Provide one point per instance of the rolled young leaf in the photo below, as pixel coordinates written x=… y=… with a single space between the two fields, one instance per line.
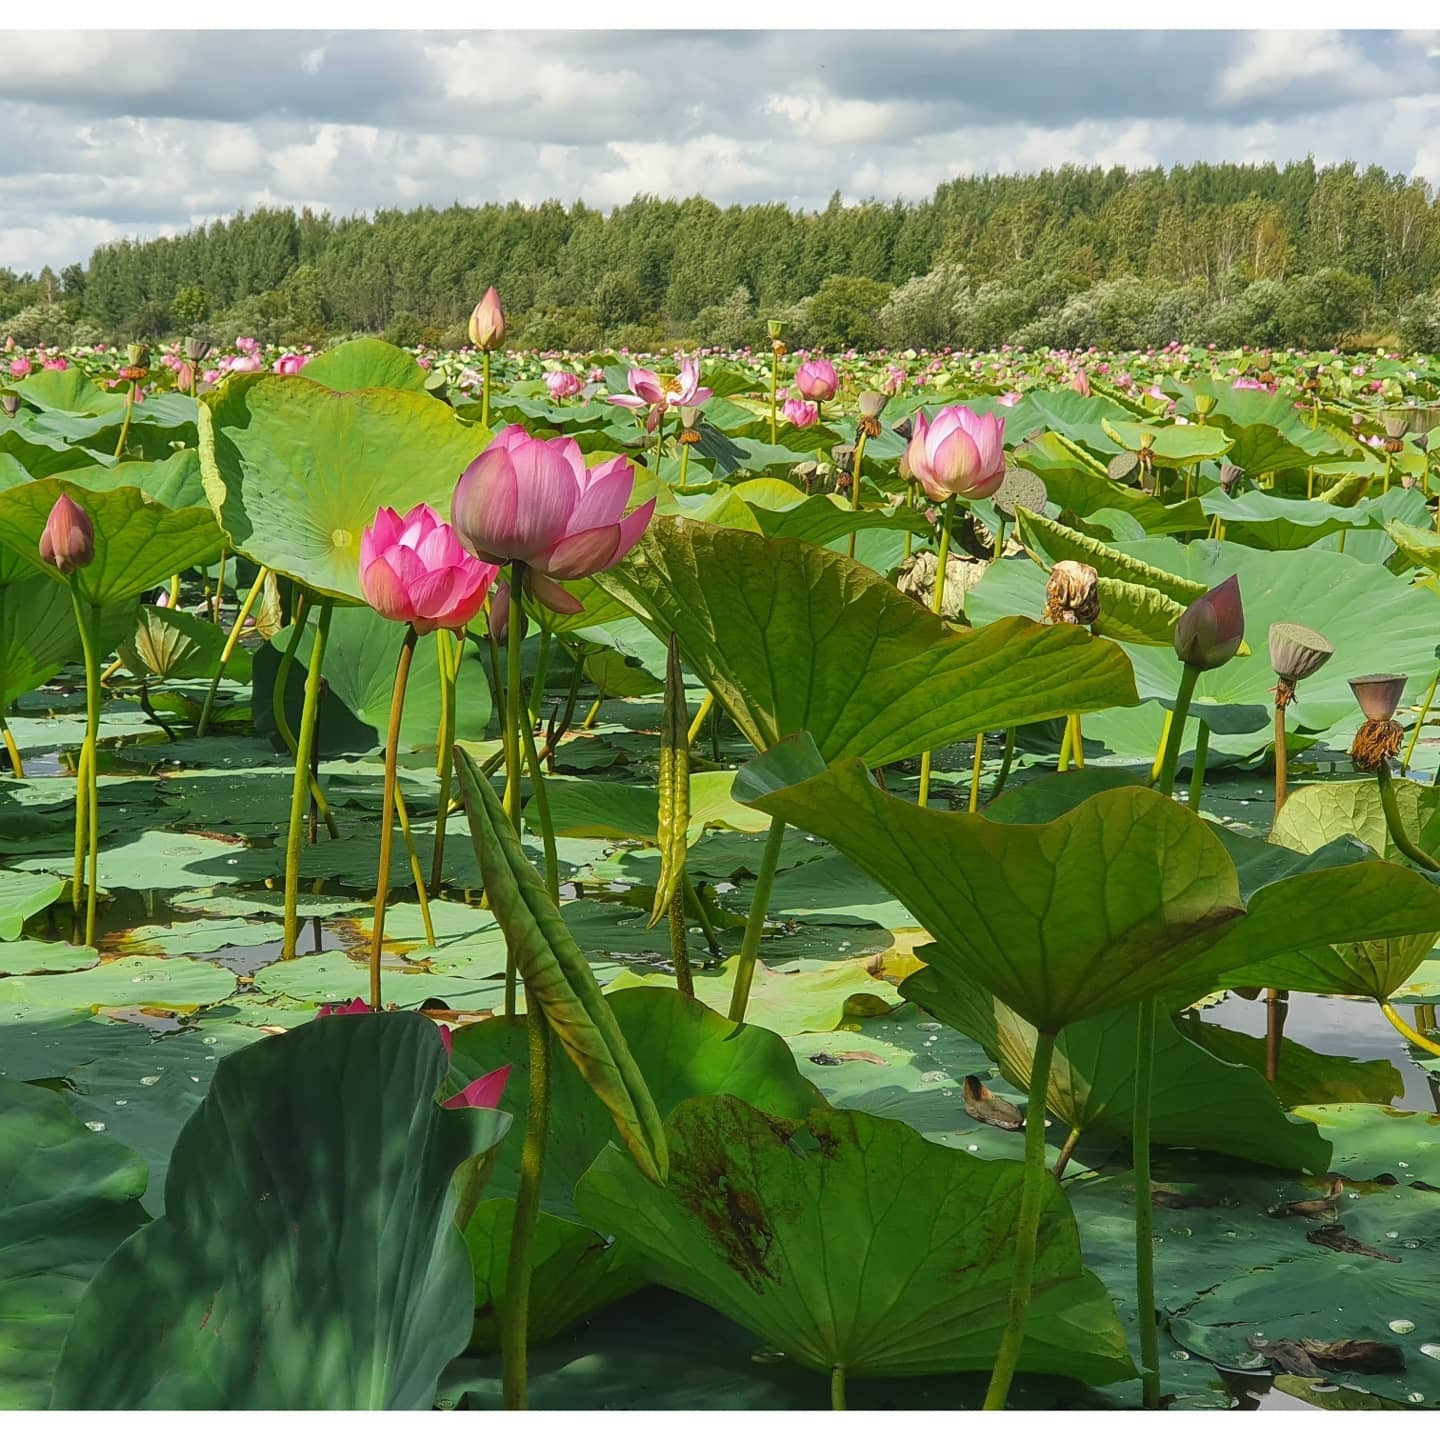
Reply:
x=557 y=976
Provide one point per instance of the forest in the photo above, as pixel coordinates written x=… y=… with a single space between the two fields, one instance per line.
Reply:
x=1227 y=254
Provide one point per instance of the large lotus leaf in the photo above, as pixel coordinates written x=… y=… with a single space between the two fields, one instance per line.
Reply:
x=1080 y=418
x=1269 y=433
x=1198 y=1101
x=845 y=1239
x=1382 y=1142
x=781 y=509
x=296 y=471
x=70 y=390
x=68 y=1199
x=1175 y=445
x=1281 y=522
x=1376 y=622
x=1316 y=815
x=558 y=978
x=39 y=636
x=1305 y=1076
x=361 y=652
x=139 y=542
x=1050 y=542
x=308 y=1257
x=157 y=424
x=175 y=481
x=1420 y=547
x=366 y=364
x=683 y=1049
x=23 y=895
x=1126 y=896
x=792 y=637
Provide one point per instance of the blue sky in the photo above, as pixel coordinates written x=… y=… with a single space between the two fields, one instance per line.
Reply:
x=134 y=132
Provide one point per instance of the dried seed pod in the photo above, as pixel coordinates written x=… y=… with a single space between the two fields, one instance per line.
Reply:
x=1230 y=476
x=1296 y=652
x=1379 y=695
x=1072 y=595
x=1376 y=743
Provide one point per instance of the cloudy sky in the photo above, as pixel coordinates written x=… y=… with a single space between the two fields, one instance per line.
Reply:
x=108 y=134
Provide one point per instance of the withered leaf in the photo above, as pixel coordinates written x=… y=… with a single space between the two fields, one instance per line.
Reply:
x=1328 y=1203
x=1333 y=1237
x=1287 y=1356
x=1365 y=1357
x=989 y=1109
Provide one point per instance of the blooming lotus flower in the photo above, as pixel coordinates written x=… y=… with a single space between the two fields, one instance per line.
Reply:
x=817 y=380
x=800 y=413
x=662 y=392
x=487 y=323
x=1010 y=397
x=533 y=501
x=20 y=367
x=415 y=569
x=562 y=384
x=247 y=344
x=68 y=540
x=1211 y=629
x=482 y=1093
x=958 y=453
x=57 y=362
x=350 y=1007
x=289 y=364
x=246 y=364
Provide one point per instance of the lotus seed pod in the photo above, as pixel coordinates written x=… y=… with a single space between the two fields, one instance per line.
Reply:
x=1379 y=695
x=1296 y=651
x=196 y=350
x=1072 y=595
x=1230 y=476
x=10 y=404
x=1396 y=426
x=871 y=403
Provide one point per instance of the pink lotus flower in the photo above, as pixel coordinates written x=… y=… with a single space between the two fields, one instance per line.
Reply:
x=487 y=322
x=1080 y=382
x=57 y=362
x=20 y=367
x=184 y=376
x=289 y=364
x=415 y=569
x=562 y=384
x=894 y=380
x=246 y=364
x=210 y=376
x=800 y=413
x=482 y=1093
x=1211 y=629
x=817 y=380
x=1010 y=397
x=958 y=453
x=350 y=1007
x=662 y=392
x=533 y=501
x=247 y=343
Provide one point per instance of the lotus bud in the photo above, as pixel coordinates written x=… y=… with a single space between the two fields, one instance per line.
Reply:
x=1211 y=629
x=184 y=376
x=10 y=404
x=196 y=350
x=1379 y=695
x=1072 y=595
x=1204 y=404
x=68 y=540
x=487 y=323
x=1295 y=653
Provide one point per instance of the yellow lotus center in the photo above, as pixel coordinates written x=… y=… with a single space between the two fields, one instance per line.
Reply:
x=670 y=385
x=341 y=539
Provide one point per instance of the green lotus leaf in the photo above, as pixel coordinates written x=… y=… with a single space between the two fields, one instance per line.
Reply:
x=1381 y=1142
x=792 y=637
x=70 y=1197
x=683 y=1049
x=38 y=634
x=175 y=645
x=1050 y=542
x=781 y=509
x=278 y=1277
x=1126 y=896
x=1170 y=444
x=295 y=471
x=175 y=481
x=1420 y=547
x=1198 y=1101
x=366 y=364
x=139 y=542
x=70 y=390
x=1305 y=1076
x=1281 y=522
x=848 y=1240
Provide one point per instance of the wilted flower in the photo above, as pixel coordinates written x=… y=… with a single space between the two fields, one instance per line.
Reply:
x=487 y=323
x=1072 y=595
x=800 y=413
x=958 y=453
x=1211 y=629
x=534 y=501
x=68 y=540
x=817 y=380
x=415 y=569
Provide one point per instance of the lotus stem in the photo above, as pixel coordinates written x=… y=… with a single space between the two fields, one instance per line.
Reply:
x=1145 y=1208
x=231 y=641
x=542 y=671
x=910 y=504
x=999 y=540
x=416 y=874
x=282 y=724
x=542 y=812
x=516 y=715
x=301 y=787
x=1067 y=742
x=1066 y=1151
x=87 y=796
x=975 y=769
x=1422 y=1042
x=82 y=831
x=174 y=591
x=701 y=715
x=218 y=601
x=1027 y=1227
x=1419 y=721
x=697 y=905
x=485 y=390
x=684 y=465
x=125 y=423
x=680 y=944
x=1406 y=846
x=1077 y=748
x=837 y=1387
x=1197 y=770
x=112 y=669
x=774 y=389
x=1282 y=761
x=1160 y=748
x=1425 y=1017
x=855 y=487
x=387 y=810
x=937 y=604
x=446 y=647
x=591 y=714
x=1275 y=1011
x=515 y=1318
x=1170 y=757
x=1006 y=761
x=7 y=737
x=755 y=925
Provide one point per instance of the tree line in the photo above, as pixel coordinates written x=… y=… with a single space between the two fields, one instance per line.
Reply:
x=1261 y=254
